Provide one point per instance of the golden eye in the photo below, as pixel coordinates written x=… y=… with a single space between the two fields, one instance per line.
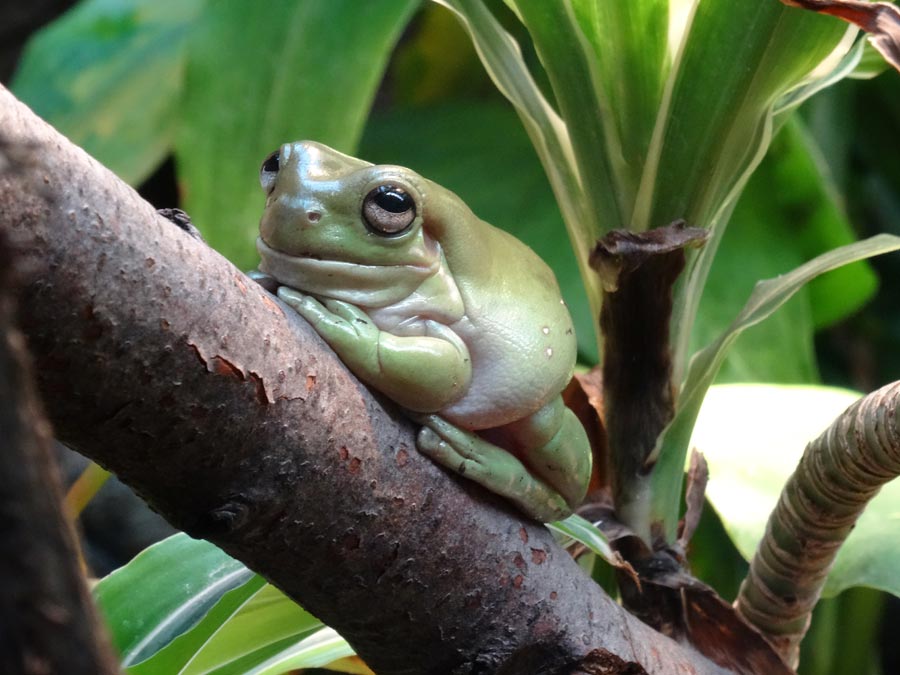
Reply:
x=389 y=210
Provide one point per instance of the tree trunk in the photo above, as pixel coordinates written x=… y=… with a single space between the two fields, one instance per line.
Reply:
x=47 y=621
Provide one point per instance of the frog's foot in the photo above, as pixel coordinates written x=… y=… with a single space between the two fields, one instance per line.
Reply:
x=490 y=466
x=344 y=326
x=182 y=220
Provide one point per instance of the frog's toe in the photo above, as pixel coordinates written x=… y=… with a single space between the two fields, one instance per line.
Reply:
x=447 y=431
x=346 y=311
x=306 y=306
x=432 y=445
x=293 y=297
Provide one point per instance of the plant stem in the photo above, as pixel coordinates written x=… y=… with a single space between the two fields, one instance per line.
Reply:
x=837 y=476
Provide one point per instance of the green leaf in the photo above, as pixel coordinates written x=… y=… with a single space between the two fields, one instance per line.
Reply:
x=628 y=45
x=736 y=60
x=479 y=151
x=108 y=75
x=253 y=629
x=290 y=71
x=753 y=436
x=870 y=65
x=183 y=607
x=768 y=296
x=581 y=530
x=165 y=591
x=757 y=247
x=320 y=649
x=736 y=64
x=812 y=212
x=567 y=59
x=178 y=655
x=788 y=213
x=503 y=60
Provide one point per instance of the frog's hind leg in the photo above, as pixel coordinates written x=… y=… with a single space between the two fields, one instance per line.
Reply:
x=490 y=466
x=555 y=448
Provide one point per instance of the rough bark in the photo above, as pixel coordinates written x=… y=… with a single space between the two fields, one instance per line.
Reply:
x=47 y=621
x=225 y=411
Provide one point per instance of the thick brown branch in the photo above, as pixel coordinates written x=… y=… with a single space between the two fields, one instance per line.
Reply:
x=838 y=475
x=223 y=409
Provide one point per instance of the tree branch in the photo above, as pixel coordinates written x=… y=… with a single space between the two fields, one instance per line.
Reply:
x=224 y=410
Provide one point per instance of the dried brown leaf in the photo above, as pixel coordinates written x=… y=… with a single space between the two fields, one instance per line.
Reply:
x=881 y=20
x=698 y=476
x=584 y=396
x=687 y=610
x=638 y=271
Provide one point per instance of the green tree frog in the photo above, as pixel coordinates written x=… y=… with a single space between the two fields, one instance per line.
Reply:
x=457 y=321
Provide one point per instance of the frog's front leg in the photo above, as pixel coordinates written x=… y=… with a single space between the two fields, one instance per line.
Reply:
x=494 y=468
x=422 y=373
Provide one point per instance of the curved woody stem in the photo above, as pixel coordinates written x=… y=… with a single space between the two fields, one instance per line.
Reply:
x=839 y=473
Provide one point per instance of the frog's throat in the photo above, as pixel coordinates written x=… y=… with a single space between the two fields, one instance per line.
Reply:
x=362 y=285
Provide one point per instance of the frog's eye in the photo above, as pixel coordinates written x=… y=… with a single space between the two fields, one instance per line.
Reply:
x=268 y=171
x=389 y=209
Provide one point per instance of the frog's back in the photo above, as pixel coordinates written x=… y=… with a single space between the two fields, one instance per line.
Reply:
x=518 y=330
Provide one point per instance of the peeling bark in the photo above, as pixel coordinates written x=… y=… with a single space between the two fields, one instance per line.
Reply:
x=226 y=412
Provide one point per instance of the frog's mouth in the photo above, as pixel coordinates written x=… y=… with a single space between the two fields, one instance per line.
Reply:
x=360 y=284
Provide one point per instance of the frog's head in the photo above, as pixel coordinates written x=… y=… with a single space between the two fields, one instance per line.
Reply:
x=326 y=206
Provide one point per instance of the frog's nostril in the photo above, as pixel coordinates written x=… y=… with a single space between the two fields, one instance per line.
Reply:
x=313 y=216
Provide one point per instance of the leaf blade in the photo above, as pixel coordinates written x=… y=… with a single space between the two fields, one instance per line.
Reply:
x=503 y=60
x=768 y=296
x=191 y=576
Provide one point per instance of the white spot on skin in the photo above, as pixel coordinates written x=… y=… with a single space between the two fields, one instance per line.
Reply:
x=546 y=330
x=549 y=352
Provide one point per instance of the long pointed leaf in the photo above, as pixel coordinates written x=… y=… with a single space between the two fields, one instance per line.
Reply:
x=715 y=121
x=177 y=656
x=628 y=44
x=503 y=60
x=189 y=577
x=566 y=55
x=263 y=628
x=318 y=650
x=767 y=297
x=586 y=532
